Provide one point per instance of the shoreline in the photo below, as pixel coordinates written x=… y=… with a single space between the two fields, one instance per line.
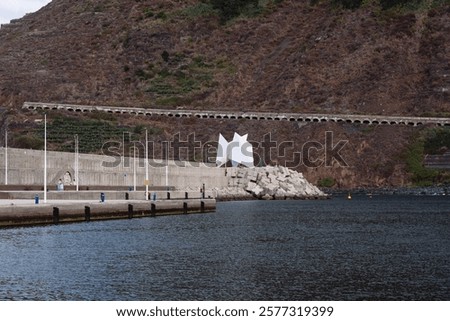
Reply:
x=244 y=198
x=431 y=190
x=71 y=207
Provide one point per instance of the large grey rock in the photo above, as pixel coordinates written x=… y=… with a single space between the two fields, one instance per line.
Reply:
x=280 y=194
x=264 y=181
x=271 y=189
x=267 y=197
x=255 y=190
x=252 y=177
x=270 y=183
x=250 y=187
x=272 y=178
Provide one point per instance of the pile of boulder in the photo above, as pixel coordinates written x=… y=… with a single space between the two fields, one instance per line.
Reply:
x=279 y=183
x=268 y=183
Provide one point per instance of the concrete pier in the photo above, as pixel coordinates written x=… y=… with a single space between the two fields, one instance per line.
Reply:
x=21 y=212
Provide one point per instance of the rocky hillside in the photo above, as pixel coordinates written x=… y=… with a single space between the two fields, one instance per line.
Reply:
x=293 y=56
x=325 y=56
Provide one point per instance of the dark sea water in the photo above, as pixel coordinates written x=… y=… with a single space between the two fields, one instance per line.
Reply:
x=384 y=248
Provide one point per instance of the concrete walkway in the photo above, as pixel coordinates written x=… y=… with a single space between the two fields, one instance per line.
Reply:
x=20 y=212
x=30 y=202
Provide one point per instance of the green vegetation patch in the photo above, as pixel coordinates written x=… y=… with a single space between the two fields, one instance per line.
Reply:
x=437 y=141
x=179 y=78
x=401 y=5
x=326 y=182
x=226 y=10
x=230 y=9
x=348 y=4
x=28 y=141
x=429 y=142
x=202 y=9
x=92 y=134
x=414 y=155
x=149 y=13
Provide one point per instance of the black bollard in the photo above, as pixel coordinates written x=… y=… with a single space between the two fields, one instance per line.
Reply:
x=130 y=211
x=87 y=213
x=185 y=208
x=55 y=215
x=202 y=207
x=186 y=195
x=153 y=210
x=168 y=195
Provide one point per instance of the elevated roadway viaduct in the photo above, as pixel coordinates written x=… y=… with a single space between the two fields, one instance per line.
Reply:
x=215 y=114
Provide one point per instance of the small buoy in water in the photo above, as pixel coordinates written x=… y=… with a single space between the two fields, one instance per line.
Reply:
x=349 y=196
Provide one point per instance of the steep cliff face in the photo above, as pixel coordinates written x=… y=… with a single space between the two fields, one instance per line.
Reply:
x=295 y=56
x=299 y=56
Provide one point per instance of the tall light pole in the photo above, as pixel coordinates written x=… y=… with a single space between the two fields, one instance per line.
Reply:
x=146 y=164
x=123 y=159
x=45 y=158
x=123 y=149
x=76 y=163
x=6 y=156
x=134 y=168
x=167 y=167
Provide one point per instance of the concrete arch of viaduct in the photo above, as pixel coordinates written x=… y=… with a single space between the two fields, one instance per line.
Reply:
x=312 y=118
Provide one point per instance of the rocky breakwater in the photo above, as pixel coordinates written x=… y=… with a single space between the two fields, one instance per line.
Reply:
x=268 y=183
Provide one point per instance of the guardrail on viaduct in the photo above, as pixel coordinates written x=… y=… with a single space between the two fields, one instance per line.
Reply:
x=206 y=114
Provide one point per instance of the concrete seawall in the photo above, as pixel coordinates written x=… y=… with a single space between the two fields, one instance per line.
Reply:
x=176 y=180
x=26 y=167
x=25 y=213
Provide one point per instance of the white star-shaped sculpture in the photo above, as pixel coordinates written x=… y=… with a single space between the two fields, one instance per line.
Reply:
x=239 y=151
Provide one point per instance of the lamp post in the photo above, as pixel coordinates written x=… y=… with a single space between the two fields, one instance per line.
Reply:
x=6 y=157
x=167 y=176
x=123 y=149
x=146 y=164
x=76 y=163
x=134 y=168
x=123 y=160
x=167 y=165
x=45 y=158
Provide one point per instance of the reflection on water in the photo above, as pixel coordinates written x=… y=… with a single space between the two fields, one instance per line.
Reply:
x=384 y=248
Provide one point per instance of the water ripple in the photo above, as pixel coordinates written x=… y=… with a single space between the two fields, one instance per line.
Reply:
x=385 y=248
